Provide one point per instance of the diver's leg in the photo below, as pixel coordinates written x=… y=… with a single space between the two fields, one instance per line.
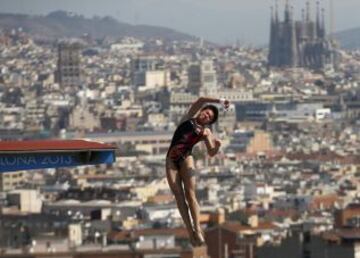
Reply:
x=187 y=173
x=175 y=184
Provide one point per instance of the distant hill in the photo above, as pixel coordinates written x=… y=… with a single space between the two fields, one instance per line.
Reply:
x=60 y=24
x=349 y=39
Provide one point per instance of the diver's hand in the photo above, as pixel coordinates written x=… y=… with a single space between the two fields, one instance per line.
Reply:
x=217 y=143
x=225 y=103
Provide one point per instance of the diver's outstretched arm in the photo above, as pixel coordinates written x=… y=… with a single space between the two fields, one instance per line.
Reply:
x=198 y=104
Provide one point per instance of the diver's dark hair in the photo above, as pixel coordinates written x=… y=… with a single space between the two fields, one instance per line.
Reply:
x=214 y=110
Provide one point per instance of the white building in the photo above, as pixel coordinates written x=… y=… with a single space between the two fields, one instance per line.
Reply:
x=75 y=234
x=128 y=45
x=155 y=79
x=253 y=191
x=323 y=113
x=28 y=201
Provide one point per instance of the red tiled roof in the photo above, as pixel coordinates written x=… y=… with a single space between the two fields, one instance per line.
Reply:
x=325 y=156
x=324 y=200
x=237 y=227
x=272 y=155
x=52 y=145
x=178 y=232
x=161 y=198
x=347 y=233
x=288 y=213
x=129 y=234
x=353 y=206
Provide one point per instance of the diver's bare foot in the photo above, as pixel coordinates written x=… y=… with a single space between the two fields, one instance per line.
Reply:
x=193 y=239
x=199 y=237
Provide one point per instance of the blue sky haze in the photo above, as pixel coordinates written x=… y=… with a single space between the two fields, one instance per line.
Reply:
x=222 y=21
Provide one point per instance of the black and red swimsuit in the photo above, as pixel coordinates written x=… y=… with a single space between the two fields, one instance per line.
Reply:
x=185 y=137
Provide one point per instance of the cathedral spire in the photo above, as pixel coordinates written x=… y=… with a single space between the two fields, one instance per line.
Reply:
x=307 y=11
x=318 y=22
x=294 y=52
x=323 y=21
x=303 y=15
x=276 y=11
x=287 y=11
x=318 y=12
x=292 y=13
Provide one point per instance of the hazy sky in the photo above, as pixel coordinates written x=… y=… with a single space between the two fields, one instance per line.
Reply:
x=222 y=21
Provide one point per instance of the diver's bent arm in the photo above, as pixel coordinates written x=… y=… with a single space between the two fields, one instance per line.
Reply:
x=212 y=144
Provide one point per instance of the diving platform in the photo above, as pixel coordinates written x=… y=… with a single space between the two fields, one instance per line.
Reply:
x=42 y=154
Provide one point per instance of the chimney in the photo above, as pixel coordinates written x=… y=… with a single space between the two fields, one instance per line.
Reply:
x=219 y=216
x=155 y=246
x=253 y=221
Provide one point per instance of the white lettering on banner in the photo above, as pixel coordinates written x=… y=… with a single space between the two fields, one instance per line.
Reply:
x=33 y=161
x=56 y=160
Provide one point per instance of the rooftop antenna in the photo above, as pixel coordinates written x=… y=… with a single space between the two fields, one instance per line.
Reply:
x=303 y=15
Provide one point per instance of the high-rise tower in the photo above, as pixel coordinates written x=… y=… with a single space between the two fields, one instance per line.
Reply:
x=68 y=66
x=202 y=77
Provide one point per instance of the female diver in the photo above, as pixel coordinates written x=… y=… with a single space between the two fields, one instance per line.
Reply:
x=180 y=169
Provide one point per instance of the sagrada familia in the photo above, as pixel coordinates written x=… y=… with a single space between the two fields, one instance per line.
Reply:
x=300 y=43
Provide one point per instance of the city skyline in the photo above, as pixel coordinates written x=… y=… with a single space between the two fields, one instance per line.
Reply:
x=246 y=22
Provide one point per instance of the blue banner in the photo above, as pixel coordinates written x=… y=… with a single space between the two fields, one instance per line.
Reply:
x=27 y=161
